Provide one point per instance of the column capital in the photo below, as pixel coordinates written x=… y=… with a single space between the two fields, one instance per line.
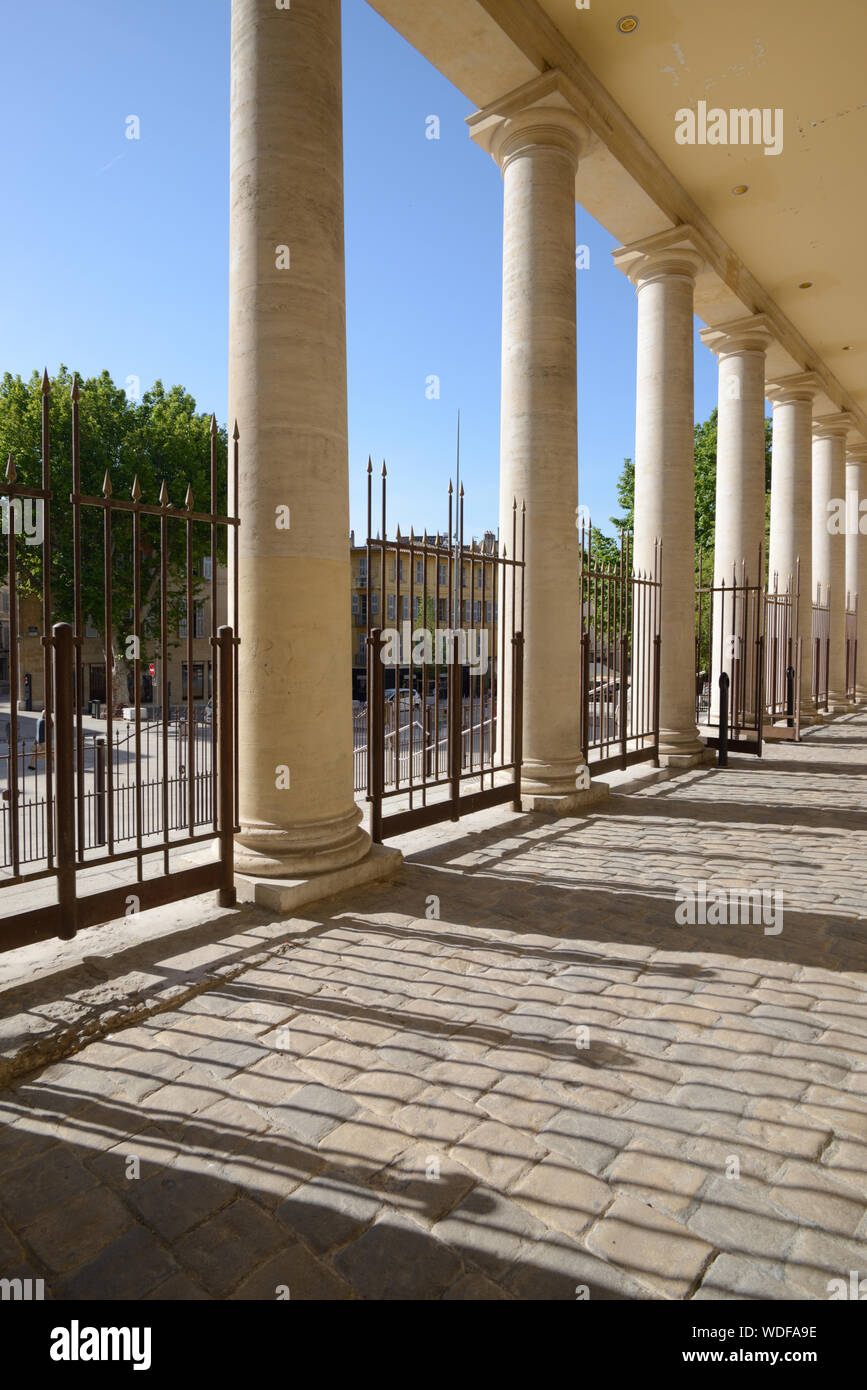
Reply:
x=750 y=334
x=679 y=251
x=836 y=426
x=799 y=386
x=857 y=452
x=538 y=114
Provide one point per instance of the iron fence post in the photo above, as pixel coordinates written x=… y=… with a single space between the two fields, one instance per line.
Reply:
x=455 y=728
x=517 y=713
x=376 y=732
x=585 y=695
x=63 y=643
x=99 y=788
x=226 y=895
x=622 y=694
x=657 y=667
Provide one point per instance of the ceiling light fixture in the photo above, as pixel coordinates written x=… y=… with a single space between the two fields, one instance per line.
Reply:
x=628 y=24
x=805 y=285
x=848 y=348
x=740 y=188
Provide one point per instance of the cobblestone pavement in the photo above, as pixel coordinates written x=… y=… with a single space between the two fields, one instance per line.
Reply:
x=511 y=1074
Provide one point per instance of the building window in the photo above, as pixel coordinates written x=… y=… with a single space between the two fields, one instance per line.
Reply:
x=97 y=682
x=362 y=607
x=479 y=577
x=477 y=611
x=198 y=680
x=442 y=610
x=355 y=605
x=391 y=608
x=206 y=567
x=489 y=610
x=404 y=606
x=419 y=571
x=417 y=606
x=198 y=622
x=374 y=604
x=468 y=607
x=362 y=569
x=442 y=574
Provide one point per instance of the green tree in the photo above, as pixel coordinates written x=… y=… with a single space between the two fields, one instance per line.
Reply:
x=160 y=439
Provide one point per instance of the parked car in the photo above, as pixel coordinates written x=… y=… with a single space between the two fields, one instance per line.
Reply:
x=407 y=698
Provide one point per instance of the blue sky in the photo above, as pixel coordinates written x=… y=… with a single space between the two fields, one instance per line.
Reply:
x=114 y=252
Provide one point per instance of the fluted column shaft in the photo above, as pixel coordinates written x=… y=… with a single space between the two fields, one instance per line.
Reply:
x=829 y=550
x=287 y=387
x=856 y=557
x=790 y=553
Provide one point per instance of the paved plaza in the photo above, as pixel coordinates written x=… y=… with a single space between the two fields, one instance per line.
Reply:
x=508 y=1074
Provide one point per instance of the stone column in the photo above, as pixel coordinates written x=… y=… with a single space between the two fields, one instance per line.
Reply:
x=739 y=534
x=829 y=545
x=791 y=528
x=856 y=555
x=663 y=269
x=536 y=144
x=287 y=388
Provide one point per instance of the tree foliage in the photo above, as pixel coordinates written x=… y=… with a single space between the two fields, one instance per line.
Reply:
x=161 y=438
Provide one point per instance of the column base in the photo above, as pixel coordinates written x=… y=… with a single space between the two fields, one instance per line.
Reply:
x=289 y=894
x=565 y=803
x=297 y=851
x=681 y=759
x=839 y=704
x=683 y=750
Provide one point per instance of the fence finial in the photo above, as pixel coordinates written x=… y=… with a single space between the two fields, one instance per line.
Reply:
x=74 y=392
x=213 y=425
x=46 y=384
x=384 y=469
x=188 y=500
x=164 y=494
x=106 y=485
x=11 y=471
x=236 y=433
x=369 y=464
x=136 y=490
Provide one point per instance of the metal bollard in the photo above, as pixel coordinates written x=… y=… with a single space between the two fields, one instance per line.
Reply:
x=790 y=696
x=723 y=760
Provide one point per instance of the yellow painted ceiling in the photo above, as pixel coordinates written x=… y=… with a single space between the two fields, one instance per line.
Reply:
x=804 y=217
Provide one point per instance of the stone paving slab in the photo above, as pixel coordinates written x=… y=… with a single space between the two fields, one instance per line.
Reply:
x=549 y=1090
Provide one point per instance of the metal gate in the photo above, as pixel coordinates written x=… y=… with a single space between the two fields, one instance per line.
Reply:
x=730 y=664
x=783 y=659
x=821 y=648
x=445 y=671
x=620 y=655
x=90 y=804
x=851 y=647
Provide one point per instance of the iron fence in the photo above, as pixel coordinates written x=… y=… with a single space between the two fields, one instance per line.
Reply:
x=851 y=647
x=783 y=658
x=620 y=655
x=730 y=643
x=821 y=632
x=170 y=788
x=445 y=669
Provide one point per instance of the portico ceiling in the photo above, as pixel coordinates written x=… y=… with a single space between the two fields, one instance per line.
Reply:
x=803 y=217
